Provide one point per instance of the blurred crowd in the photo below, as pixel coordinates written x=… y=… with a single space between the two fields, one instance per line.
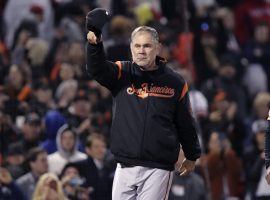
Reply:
x=55 y=120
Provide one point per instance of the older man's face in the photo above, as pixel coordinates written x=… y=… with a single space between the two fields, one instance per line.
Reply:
x=144 y=50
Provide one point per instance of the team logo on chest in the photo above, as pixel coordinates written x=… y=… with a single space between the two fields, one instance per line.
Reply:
x=145 y=90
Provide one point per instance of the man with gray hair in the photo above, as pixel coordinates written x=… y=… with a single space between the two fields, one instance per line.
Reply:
x=151 y=113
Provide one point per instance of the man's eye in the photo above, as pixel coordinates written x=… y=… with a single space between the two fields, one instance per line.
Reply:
x=148 y=46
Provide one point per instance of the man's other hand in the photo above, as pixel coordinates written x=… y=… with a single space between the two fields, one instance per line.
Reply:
x=186 y=167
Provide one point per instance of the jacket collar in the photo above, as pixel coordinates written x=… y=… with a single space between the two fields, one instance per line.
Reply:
x=160 y=62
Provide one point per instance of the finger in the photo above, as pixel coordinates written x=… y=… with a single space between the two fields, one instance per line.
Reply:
x=181 y=169
x=185 y=172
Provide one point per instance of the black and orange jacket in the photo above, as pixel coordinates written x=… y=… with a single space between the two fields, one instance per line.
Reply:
x=151 y=111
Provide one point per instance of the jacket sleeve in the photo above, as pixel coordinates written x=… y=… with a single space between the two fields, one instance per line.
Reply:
x=105 y=72
x=185 y=123
x=16 y=193
x=267 y=145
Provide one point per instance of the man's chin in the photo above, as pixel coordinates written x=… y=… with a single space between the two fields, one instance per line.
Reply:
x=142 y=64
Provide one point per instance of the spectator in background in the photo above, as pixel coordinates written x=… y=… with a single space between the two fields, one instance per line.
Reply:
x=205 y=46
x=254 y=163
x=247 y=15
x=227 y=40
x=223 y=118
x=31 y=132
x=72 y=22
x=8 y=134
x=37 y=160
x=224 y=167
x=42 y=99
x=255 y=80
x=257 y=51
x=15 y=12
x=15 y=158
x=227 y=82
x=16 y=84
x=8 y=188
x=67 y=149
x=66 y=71
x=37 y=50
x=74 y=184
x=76 y=57
x=49 y=187
x=79 y=113
x=259 y=112
x=96 y=171
x=260 y=105
x=53 y=121
x=18 y=54
x=65 y=93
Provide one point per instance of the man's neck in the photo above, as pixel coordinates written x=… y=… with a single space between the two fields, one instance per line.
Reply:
x=36 y=175
x=152 y=67
x=98 y=163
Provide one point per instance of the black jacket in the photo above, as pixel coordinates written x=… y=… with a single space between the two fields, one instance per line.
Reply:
x=151 y=111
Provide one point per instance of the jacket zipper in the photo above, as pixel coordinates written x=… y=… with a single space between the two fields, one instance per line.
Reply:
x=144 y=127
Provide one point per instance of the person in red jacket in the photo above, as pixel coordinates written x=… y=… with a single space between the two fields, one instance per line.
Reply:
x=248 y=14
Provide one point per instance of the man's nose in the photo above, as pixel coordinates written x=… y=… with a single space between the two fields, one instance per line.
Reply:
x=141 y=50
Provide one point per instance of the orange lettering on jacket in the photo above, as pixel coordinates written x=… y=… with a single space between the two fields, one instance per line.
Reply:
x=146 y=91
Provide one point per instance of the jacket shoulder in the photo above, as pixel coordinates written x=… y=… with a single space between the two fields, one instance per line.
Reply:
x=174 y=75
x=124 y=64
x=25 y=179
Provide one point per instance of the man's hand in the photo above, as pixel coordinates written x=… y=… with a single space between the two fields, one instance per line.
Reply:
x=95 y=20
x=186 y=167
x=92 y=38
x=267 y=177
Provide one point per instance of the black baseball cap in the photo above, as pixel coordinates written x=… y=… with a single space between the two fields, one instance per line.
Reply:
x=96 y=18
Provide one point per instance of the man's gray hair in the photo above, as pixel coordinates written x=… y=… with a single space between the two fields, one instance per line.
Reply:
x=147 y=29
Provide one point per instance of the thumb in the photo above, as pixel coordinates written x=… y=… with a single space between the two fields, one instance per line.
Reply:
x=182 y=169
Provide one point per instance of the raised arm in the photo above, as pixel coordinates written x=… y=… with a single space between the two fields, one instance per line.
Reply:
x=105 y=72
